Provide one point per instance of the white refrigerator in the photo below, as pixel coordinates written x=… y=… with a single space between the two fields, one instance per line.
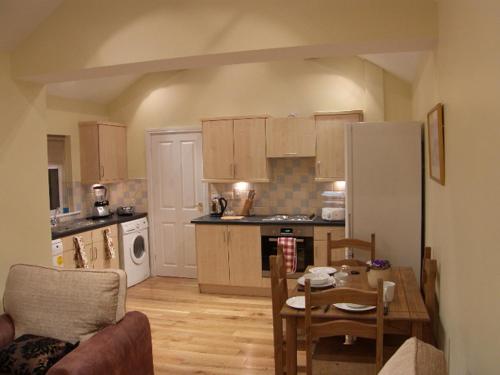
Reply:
x=384 y=189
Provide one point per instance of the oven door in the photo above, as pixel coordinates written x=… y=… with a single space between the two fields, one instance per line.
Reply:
x=305 y=251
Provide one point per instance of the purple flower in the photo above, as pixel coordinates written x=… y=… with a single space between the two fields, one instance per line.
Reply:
x=380 y=264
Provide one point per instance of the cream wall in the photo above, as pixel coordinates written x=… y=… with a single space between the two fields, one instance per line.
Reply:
x=24 y=227
x=175 y=99
x=462 y=216
x=63 y=116
x=398 y=98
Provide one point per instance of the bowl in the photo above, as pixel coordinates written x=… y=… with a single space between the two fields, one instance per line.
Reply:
x=317 y=278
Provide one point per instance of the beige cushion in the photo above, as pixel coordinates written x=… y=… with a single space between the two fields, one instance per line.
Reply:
x=415 y=357
x=68 y=305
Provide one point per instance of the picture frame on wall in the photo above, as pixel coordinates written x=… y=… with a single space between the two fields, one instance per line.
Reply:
x=435 y=131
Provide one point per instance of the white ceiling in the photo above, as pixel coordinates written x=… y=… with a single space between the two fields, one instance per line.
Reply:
x=18 y=18
x=103 y=90
x=402 y=64
x=98 y=90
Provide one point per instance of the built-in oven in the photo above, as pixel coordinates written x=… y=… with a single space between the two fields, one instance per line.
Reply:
x=305 y=243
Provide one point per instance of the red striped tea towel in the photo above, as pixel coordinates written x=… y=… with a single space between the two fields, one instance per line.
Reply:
x=290 y=252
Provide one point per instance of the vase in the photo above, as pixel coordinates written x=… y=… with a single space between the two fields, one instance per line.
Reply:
x=374 y=275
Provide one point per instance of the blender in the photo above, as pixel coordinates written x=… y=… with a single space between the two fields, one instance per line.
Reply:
x=101 y=203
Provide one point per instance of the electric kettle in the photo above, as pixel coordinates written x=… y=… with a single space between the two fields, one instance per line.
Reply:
x=218 y=206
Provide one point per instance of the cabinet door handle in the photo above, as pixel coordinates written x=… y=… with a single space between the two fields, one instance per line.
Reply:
x=234 y=169
x=290 y=153
x=228 y=235
x=319 y=167
x=225 y=235
x=102 y=171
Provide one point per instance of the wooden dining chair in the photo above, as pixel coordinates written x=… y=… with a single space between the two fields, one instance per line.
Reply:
x=428 y=284
x=334 y=350
x=331 y=245
x=279 y=294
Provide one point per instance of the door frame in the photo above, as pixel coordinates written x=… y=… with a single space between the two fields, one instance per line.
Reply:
x=149 y=134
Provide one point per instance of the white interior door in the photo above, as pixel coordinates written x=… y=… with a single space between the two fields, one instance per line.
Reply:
x=177 y=198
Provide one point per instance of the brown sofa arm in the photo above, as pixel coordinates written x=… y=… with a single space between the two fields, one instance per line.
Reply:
x=6 y=330
x=123 y=348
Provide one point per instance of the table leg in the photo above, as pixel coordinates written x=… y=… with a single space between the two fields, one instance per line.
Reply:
x=291 y=345
x=417 y=330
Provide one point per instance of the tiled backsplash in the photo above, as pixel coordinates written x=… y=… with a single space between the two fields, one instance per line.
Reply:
x=292 y=190
x=131 y=192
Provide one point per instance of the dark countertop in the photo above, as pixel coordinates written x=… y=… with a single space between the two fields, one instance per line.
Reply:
x=257 y=220
x=76 y=226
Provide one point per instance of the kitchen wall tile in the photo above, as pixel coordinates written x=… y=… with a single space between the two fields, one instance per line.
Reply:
x=292 y=190
x=131 y=192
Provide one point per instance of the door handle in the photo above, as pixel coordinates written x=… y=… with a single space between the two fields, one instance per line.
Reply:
x=319 y=167
x=102 y=171
x=234 y=169
x=228 y=235
x=290 y=153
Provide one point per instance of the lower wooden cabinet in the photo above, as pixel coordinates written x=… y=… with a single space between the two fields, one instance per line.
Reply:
x=94 y=249
x=320 y=240
x=229 y=255
x=212 y=254
x=245 y=262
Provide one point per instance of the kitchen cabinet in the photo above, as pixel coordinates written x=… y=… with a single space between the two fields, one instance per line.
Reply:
x=330 y=143
x=234 y=149
x=290 y=137
x=245 y=262
x=94 y=248
x=218 y=145
x=320 y=240
x=229 y=255
x=212 y=254
x=103 y=152
x=250 y=160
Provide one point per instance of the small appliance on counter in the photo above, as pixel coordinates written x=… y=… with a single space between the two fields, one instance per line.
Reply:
x=101 y=203
x=218 y=206
x=125 y=210
x=333 y=206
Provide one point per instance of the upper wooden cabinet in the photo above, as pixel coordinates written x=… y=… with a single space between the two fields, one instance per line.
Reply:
x=290 y=137
x=330 y=143
x=218 y=145
x=103 y=152
x=234 y=149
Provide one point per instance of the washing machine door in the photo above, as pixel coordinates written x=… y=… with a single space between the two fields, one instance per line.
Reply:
x=138 y=250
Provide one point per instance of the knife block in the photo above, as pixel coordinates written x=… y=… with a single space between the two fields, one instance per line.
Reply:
x=245 y=211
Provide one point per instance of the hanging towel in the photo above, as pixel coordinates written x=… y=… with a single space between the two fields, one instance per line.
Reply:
x=108 y=244
x=289 y=245
x=80 y=255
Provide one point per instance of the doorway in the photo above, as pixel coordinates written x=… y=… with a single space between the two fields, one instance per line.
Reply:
x=176 y=195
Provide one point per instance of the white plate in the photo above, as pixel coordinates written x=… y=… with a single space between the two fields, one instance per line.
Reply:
x=353 y=307
x=329 y=282
x=328 y=270
x=298 y=302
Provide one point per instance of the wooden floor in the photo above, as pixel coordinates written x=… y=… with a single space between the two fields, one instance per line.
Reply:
x=197 y=333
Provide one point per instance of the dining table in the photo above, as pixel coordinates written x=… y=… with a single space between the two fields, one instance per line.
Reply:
x=406 y=314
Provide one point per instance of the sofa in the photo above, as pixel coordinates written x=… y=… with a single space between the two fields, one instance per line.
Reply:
x=415 y=357
x=83 y=308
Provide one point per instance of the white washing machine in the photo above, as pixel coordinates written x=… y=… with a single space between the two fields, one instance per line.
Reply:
x=134 y=250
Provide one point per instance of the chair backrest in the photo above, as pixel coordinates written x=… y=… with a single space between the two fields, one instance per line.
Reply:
x=368 y=246
x=428 y=281
x=279 y=294
x=317 y=330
